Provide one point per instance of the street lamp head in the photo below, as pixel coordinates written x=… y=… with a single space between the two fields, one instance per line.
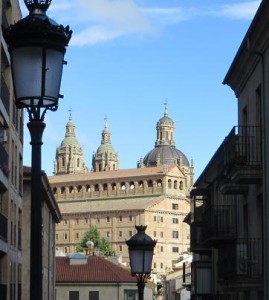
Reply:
x=37 y=45
x=141 y=247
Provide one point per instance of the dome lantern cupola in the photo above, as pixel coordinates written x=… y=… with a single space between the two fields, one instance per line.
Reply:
x=69 y=155
x=105 y=158
x=165 y=151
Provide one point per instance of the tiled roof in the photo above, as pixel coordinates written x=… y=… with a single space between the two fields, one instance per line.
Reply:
x=97 y=269
x=138 y=203
x=139 y=172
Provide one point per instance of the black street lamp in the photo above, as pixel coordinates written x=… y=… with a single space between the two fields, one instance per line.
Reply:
x=37 y=45
x=141 y=247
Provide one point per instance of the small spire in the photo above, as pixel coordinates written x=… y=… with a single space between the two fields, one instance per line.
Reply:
x=165 y=108
x=106 y=125
x=70 y=113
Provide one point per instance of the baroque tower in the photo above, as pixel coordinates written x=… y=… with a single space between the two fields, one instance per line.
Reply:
x=105 y=158
x=69 y=155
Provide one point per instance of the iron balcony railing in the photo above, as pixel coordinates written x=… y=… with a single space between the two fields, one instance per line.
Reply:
x=242 y=147
x=4 y=94
x=3 y=227
x=241 y=259
x=4 y=160
x=221 y=223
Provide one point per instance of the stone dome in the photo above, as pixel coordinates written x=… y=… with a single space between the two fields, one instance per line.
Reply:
x=165 y=155
x=165 y=151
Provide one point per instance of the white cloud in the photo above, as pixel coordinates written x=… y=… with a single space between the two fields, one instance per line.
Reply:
x=244 y=10
x=97 y=21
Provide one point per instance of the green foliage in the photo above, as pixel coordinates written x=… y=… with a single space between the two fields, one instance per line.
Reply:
x=100 y=244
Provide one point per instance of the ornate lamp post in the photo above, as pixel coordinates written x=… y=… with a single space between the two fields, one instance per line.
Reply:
x=141 y=248
x=37 y=45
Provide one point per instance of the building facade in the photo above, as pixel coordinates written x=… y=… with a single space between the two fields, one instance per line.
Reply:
x=229 y=215
x=96 y=278
x=11 y=172
x=114 y=200
x=50 y=216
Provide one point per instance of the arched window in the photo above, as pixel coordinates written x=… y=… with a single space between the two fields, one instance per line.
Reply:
x=88 y=188
x=62 y=189
x=132 y=185
x=150 y=183
x=100 y=167
x=123 y=186
x=71 y=189
x=169 y=183
x=63 y=161
x=96 y=188
x=159 y=183
x=54 y=190
x=141 y=184
x=105 y=187
x=181 y=185
x=113 y=186
x=175 y=184
x=78 y=162
x=79 y=188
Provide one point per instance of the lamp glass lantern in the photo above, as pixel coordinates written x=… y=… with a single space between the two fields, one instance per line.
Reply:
x=141 y=248
x=37 y=45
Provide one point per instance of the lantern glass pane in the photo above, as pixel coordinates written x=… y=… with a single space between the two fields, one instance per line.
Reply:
x=141 y=261
x=27 y=72
x=148 y=261
x=136 y=261
x=54 y=67
x=37 y=75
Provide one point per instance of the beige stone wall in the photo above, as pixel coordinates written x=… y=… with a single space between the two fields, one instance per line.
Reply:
x=106 y=291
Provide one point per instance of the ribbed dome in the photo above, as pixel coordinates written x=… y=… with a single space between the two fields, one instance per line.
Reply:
x=165 y=155
x=69 y=141
x=70 y=137
x=105 y=148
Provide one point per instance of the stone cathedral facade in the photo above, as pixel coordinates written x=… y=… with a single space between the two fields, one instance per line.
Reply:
x=156 y=194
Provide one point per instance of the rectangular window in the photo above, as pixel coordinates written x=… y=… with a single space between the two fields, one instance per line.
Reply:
x=120 y=233
x=108 y=234
x=130 y=218
x=175 y=220
x=175 y=234
x=120 y=248
x=161 y=219
x=155 y=218
x=175 y=249
x=65 y=222
x=130 y=233
x=154 y=233
x=86 y=220
x=73 y=295
x=77 y=235
x=130 y=294
x=161 y=234
x=57 y=236
x=93 y=295
x=65 y=236
x=175 y=206
x=77 y=221
x=108 y=219
x=120 y=218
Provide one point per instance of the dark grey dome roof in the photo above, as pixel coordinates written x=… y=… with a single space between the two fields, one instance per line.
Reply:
x=165 y=155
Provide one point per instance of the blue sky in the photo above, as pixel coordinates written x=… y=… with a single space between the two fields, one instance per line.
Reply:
x=127 y=57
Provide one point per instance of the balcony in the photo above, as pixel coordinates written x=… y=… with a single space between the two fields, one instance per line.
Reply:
x=4 y=160
x=241 y=260
x=242 y=153
x=3 y=291
x=4 y=94
x=199 y=201
x=221 y=224
x=3 y=227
